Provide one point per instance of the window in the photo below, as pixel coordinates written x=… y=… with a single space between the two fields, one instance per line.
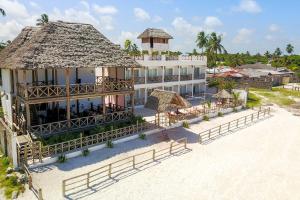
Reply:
x=168 y=71
x=183 y=71
x=168 y=88
x=151 y=42
x=152 y=72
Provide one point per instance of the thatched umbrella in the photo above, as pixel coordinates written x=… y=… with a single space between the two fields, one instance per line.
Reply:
x=223 y=95
x=163 y=101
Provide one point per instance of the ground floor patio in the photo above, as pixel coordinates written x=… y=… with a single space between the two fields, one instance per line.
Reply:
x=257 y=162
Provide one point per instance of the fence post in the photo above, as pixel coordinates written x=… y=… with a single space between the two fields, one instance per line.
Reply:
x=209 y=132
x=171 y=145
x=229 y=126
x=269 y=110
x=64 y=187
x=29 y=181
x=88 y=180
x=245 y=120
x=252 y=117
x=264 y=113
x=185 y=141
x=133 y=162
x=200 y=139
x=109 y=170
x=40 y=152
x=220 y=129
x=153 y=154
x=258 y=114
x=40 y=194
x=80 y=140
x=237 y=123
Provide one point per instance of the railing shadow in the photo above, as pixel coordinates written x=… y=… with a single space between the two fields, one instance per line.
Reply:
x=79 y=194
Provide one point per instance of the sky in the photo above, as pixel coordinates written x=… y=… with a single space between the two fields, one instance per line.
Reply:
x=246 y=25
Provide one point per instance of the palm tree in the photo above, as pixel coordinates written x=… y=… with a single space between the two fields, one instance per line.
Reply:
x=267 y=55
x=277 y=52
x=202 y=40
x=214 y=46
x=236 y=98
x=2 y=12
x=289 y=49
x=128 y=45
x=43 y=20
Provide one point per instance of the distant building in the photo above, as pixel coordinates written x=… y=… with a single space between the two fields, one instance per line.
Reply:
x=180 y=73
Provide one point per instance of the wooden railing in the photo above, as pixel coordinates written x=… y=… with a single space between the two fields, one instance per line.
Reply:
x=113 y=169
x=218 y=131
x=171 y=78
x=29 y=92
x=139 y=80
x=37 y=191
x=186 y=77
x=295 y=88
x=78 y=123
x=154 y=79
x=172 y=57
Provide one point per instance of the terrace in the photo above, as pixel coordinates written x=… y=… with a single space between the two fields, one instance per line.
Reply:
x=103 y=86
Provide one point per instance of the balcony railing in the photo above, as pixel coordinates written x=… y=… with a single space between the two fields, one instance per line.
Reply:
x=79 y=123
x=154 y=79
x=171 y=78
x=169 y=58
x=104 y=85
x=199 y=76
x=139 y=80
x=186 y=77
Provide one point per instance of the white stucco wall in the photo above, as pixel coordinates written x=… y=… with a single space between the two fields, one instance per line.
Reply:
x=6 y=95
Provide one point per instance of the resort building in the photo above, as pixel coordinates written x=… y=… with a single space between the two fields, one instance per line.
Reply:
x=63 y=77
x=179 y=73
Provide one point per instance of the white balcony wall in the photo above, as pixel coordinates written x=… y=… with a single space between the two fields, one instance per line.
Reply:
x=156 y=47
x=6 y=95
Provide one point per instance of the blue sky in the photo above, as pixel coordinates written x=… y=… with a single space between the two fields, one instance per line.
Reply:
x=254 y=25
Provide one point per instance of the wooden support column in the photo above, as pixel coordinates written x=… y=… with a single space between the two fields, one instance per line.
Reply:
x=67 y=75
x=27 y=108
x=132 y=95
x=103 y=105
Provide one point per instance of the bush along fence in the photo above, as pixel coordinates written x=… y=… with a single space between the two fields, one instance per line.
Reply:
x=114 y=169
x=35 y=151
x=218 y=131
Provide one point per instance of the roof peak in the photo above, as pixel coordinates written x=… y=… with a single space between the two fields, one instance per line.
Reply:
x=154 y=32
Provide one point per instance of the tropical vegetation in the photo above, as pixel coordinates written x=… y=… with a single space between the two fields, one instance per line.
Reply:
x=43 y=20
x=2 y=12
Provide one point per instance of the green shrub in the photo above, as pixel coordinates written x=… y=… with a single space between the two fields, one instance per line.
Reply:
x=205 y=118
x=185 y=124
x=235 y=110
x=85 y=152
x=62 y=158
x=109 y=144
x=142 y=136
x=220 y=114
x=5 y=162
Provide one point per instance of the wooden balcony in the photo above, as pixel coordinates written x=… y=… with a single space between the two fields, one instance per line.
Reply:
x=102 y=86
x=186 y=77
x=171 y=78
x=45 y=130
x=154 y=79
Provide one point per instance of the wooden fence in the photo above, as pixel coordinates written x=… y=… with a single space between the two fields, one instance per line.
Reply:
x=36 y=151
x=112 y=170
x=295 y=88
x=31 y=185
x=232 y=125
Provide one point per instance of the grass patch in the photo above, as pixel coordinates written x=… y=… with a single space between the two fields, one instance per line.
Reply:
x=62 y=159
x=109 y=144
x=220 y=114
x=253 y=100
x=85 y=152
x=142 y=136
x=9 y=185
x=287 y=92
x=205 y=118
x=185 y=124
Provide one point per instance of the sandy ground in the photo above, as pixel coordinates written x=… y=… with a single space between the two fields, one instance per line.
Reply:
x=258 y=162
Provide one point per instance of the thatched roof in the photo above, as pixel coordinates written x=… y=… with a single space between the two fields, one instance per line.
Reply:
x=62 y=44
x=161 y=101
x=155 y=33
x=223 y=94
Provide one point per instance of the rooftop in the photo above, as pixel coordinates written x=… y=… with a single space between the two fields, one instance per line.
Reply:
x=62 y=44
x=155 y=33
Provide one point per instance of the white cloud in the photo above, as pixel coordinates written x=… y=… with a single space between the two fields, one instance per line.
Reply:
x=14 y=8
x=243 y=36
x=127 y=35
x=157 y=19
x=106 y=10
x=249 y=6
x=183 y=27
x=269 y=37
x=141 y=14
x=274 y=28
x=106 y=22
x=212 y=22
x=34 y=5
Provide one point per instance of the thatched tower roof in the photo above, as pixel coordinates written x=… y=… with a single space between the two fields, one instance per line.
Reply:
x=161 y=101
x=62 y=44
x=155 y=33
x=223 y=94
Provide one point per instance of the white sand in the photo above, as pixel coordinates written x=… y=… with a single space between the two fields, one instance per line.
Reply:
x=261 y=161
